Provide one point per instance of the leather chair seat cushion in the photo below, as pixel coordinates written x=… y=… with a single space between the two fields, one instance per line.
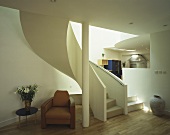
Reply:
x=58 y=113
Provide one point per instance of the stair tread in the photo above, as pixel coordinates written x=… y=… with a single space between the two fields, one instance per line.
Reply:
x=134 y=103
x=132 y=98
x=110 y=99
x=114 y=108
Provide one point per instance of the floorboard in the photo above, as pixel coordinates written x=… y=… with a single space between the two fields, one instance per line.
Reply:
x=135 y=123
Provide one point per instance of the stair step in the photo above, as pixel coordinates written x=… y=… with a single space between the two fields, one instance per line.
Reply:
x=107 y=95
x=132 y=99
x=114 y=111
x=134 y=103
x=111 y=103
x=133 y=106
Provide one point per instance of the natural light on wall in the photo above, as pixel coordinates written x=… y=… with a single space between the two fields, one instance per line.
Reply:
x=146 y=109
x=99 y=38
x=109 y=37
x=77 y=29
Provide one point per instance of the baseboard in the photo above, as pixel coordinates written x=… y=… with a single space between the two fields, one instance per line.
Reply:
x=13 y=120
x=167 y=112
x=9 y=121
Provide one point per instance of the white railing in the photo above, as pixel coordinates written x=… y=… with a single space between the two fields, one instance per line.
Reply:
x=116 y=88
x=97 y=92
x=109 y=73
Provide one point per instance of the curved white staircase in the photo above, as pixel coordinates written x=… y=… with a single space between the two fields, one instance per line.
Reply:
x=54 y=41
x=47 y=37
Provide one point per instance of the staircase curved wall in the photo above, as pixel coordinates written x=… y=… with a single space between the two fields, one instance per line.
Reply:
x=47 y=37
x=20 y=66
x=74 y=55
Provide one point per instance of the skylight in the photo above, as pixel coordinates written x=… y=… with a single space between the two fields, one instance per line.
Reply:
x=100 y=36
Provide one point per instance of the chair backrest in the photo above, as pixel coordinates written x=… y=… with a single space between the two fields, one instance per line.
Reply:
x=61 y=98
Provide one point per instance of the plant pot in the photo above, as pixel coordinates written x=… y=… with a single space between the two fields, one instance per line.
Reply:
x=157 y=105
x=27 y=105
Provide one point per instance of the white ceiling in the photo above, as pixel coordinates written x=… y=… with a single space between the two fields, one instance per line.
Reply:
x=146 y=16
x=139 y=43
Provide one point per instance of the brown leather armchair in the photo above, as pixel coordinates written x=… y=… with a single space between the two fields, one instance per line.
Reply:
x=59 y=109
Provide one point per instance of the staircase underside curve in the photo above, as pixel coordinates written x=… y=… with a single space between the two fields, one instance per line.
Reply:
x=47 y=37
x=74 y=55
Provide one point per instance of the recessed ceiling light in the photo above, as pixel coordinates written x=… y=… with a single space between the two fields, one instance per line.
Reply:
x=53 y=0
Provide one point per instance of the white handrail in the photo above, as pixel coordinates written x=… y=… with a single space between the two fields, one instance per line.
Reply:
x=108 y=72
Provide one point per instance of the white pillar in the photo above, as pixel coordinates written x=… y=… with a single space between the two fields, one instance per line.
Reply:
x=85 y=74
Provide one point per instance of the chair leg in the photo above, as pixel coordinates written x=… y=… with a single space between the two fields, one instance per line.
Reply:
x=43 y=125
x=72 y=125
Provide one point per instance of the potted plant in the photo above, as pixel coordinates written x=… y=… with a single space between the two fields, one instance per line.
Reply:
x=103 y=55
x=27 y=94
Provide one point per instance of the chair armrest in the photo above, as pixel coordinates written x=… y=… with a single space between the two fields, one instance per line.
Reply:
x=44 y=108
x=46 y=105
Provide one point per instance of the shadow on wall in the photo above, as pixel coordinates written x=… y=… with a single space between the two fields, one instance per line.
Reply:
x=21 y=66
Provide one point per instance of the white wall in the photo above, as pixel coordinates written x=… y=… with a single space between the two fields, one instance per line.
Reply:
x=100 y=39
x=145 y=82
x=103 y=38
x=138 y=82
x=111 y=54
x=20 y=66
x=77 y=30
x=160 y=47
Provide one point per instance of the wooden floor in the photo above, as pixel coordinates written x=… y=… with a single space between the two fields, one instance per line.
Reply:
x=135 y=123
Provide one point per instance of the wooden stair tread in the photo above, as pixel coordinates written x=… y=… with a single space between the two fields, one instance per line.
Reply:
x=114 y=111
x=132 y=98
x=134 y=103
x=110 y=99
x=114 y=108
